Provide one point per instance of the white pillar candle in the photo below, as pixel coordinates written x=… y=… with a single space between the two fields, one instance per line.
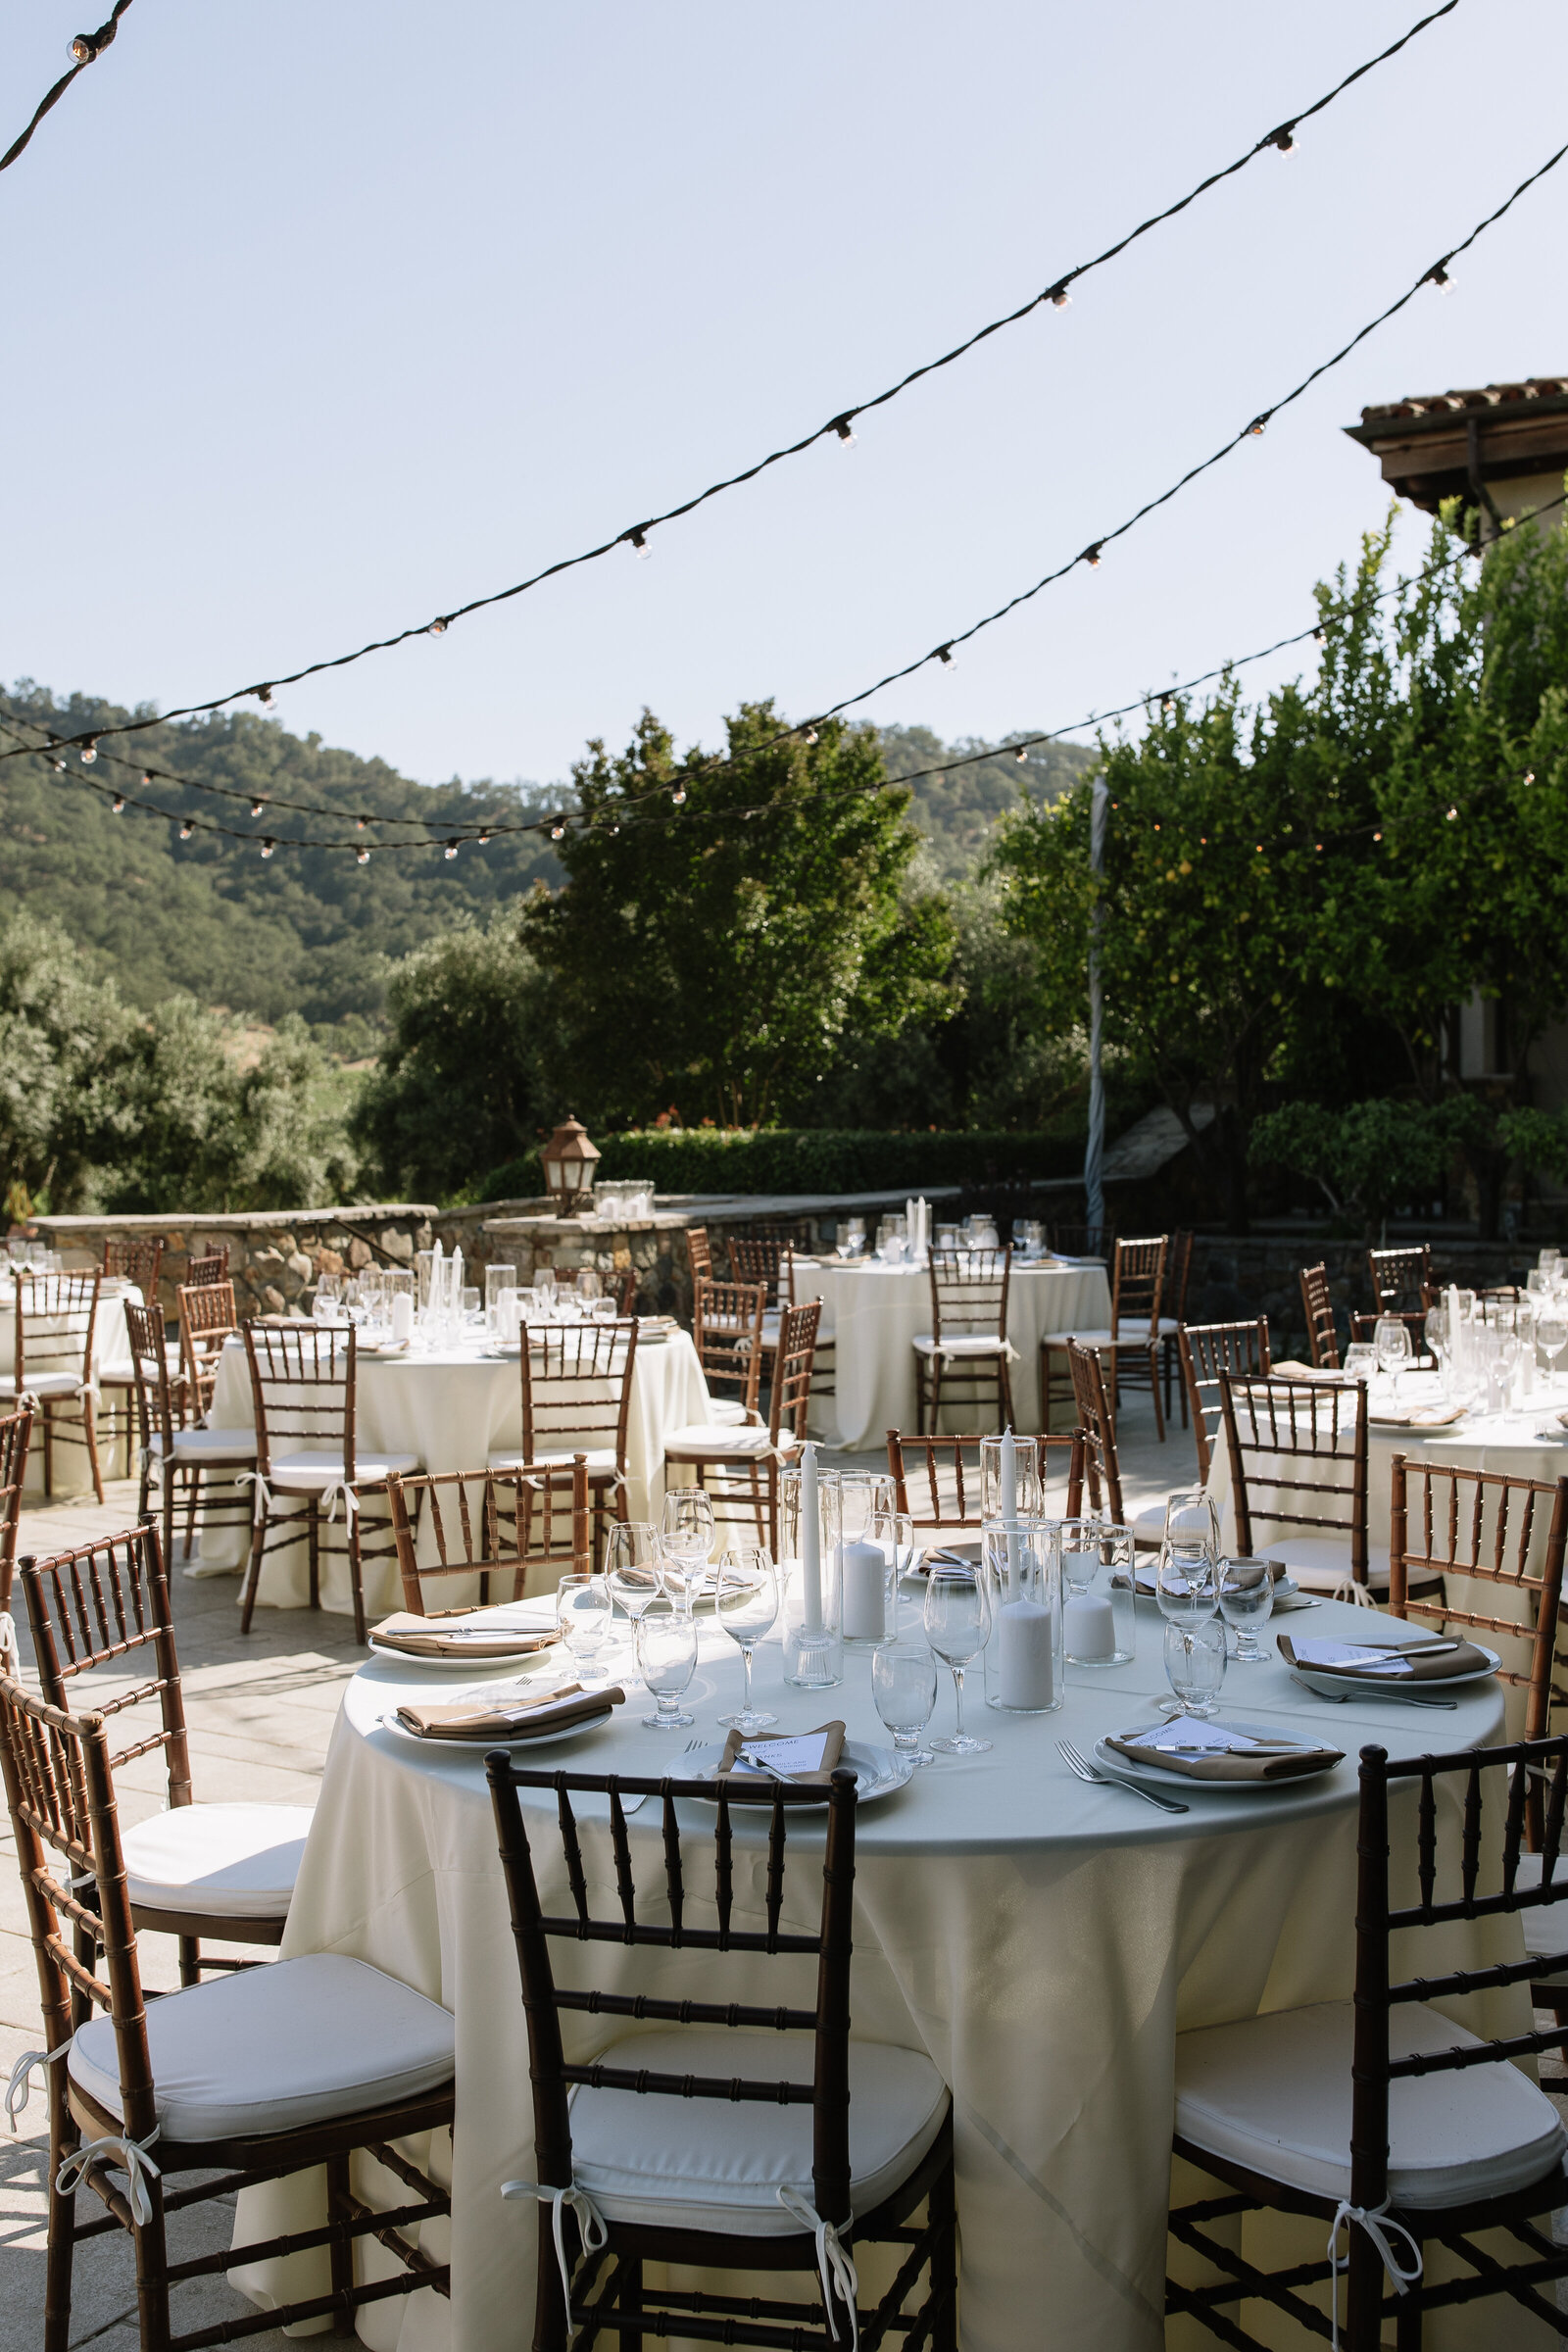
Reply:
x=402 y=1319
x=810 y=1540
x=1091 y=1629
x=1009 y=1478
x=865 y=1567
x=1026 y=1667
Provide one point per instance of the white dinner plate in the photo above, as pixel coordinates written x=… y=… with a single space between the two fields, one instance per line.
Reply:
x=1335 y=1685
x=482 y=1742
x=468 y=1665
x=878 y=1771
x=1111 y=1759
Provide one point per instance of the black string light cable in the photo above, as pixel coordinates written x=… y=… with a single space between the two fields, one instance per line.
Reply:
x=85 y=50
x=1016 y=748
x=840 y=425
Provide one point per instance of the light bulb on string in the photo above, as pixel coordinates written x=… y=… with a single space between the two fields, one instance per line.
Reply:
x=1022 y=753
x=146 y=779
x=556 y=832
x=451 y=850
x=60 y=767
x=1283 y=138
x=268 y=846
x=90 y=750
x=1319 y=637
x=359 y=823
x=116 y=807
x=1059 y=298
x=362 y=856
x=1452 y=813
x=1091 y=556
x=844 y=432
x=186 y=830
x=257 y=806
x=639 y=543
x=484 y=840
x=263 y=695
x=1256 y=427
x=944 y=656
x=84 y=48
x=679 y=795
x=1529 y=775
x=1440 y=278
x=436 y=628
x=811 y=736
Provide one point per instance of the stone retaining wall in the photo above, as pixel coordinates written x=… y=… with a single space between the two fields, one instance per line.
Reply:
x=274 y=1259
x=1237 y=1276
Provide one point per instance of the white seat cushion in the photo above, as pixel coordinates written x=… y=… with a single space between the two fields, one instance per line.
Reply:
x=1318 y=1563
x=770 y=1324
x=1137 y=1327
x=229 y=1861
x=1148 y=1524
x=960 y=1343
x=43 y=1384
x=308 y=1473
x=601 y=1460
x=706 y=1438
x=709 y=2164
x=727 y=1411
x=1273 y=2094
x=277 y=2048
x=209 y=1446
x=1132 y=1335
x=1545 y=1925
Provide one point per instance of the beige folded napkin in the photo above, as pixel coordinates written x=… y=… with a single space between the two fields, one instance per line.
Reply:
x=1420 y=1416
x=742 y=1782
x=955 y=1555
x=518 y=1718
x=1207 y=1751
x=1290 y=1369
x=1421 y=1666
x=459 y=1636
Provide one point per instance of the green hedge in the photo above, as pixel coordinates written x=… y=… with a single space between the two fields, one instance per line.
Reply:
x=807 y=1159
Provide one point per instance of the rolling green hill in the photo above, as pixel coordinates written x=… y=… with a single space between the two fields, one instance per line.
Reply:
x=310 y=930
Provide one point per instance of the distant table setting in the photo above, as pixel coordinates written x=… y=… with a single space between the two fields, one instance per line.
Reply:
x=873 y=1310
x=1043 y=1898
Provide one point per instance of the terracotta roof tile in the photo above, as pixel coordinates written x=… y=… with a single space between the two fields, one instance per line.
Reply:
x=1487 y=396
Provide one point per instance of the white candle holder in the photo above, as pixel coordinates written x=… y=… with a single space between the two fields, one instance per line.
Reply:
x=1025 y=1658
x=813 y=1627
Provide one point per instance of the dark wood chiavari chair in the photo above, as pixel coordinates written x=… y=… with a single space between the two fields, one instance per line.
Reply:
x=1097 y=1428
x=1322 y=1335
x=1383 y=2152
x=727 y=1332
x=1297 y=1462
x=52 y=1364
x=194 y=2074
x=138 y=1262
x=1400 y=1277
x=208 y=1317
x=1132 y=1342
x=303 y=1393
x=824 y=1371
x=15 y=1431
x=699 y=1254
x=537 y=1517
x=213 y=1266
x=1082 y=1241
x=220 y=1872
x=135 y=1262
x=639 y=2106
x=621 y=1286
x=738 y=1463
x=1507 y=1533
x=765 y=1259
x=966 y=1353
x=198 y=1466
x=1206 y=1349
x=576 y=1398
x=947 y=1476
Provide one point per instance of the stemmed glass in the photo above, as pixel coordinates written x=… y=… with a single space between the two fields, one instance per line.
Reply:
x=589 y=1286
x=1245 y=1591
x=1552 y=1330
x=1436 y=1334
x=1195 y=1667
x=583 y=1613
x=904 y=1684
x=1360 y=1361
x=686 y=1540
x=632 y=1566
x=958 y=1626
x=1184 y=1582
x=1390 y=1337
x=746 y=1601
x=666 y=1659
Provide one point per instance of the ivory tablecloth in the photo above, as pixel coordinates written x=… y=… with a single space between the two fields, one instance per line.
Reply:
x=1043 y=1941
x=111 y=1345
x=874 y=1313
x=1503 y=1442
x=453 y=1409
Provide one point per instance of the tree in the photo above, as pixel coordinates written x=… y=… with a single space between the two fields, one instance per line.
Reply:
x=459 y=1087
x=60 y=1031
x=714 y=964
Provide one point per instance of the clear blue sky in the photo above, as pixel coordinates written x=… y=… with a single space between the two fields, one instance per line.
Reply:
x=325 y=316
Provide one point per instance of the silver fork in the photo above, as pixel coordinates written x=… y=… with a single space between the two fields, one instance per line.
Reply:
x=1099 y=1778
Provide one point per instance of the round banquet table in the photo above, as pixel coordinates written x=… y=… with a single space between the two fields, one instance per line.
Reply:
x=1043 y=1941
x=874 y=1314
x=451 y=1408
x=110 y=1347
x=1507 y=1441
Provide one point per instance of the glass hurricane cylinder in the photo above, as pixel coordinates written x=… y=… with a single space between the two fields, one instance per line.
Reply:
x=1025 y=1658
x=1100 y=1614
x=811 y=1606
x=1027 y=1498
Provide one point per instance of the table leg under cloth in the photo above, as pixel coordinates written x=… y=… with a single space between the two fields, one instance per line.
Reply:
x=1047 y=1981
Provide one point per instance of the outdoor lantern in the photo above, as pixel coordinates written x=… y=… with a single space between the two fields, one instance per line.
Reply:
x=569 y=1160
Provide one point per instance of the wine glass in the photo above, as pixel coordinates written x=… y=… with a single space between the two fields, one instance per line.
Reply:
x=1390 y=1340
x=589 y=1286
x=1184 y=1581
x=1191 y=1522
x=1360 y=1361
x=958 y=1626
x=686 y=1538
x=1436 y=1334
x=1246 y=1593
x=745 y=1602
x=666 y=1637
x=632 y=1565
x=583 y=1613
x=1551 y=1331
x=904 y=1684
x=1195 y=1667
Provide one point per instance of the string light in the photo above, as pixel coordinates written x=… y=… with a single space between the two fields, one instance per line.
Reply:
x=186 y=830
x=90 y=750
x=1440 y=278
x=85 y=49
x=436 y=628
x=1256 y=429
x=1091 y=556
x=451 y=848
x=256 y=808
x=263 y=695
x=811 y=736
x=1285 y=138
x=556 y=832
x=1529 y=775
x=359 y=823
x=1022 y=753
x=116 y=807
x=1059 y=298
x=944 y=656
x=846 y=431
x=1056 y=293
x=362 y=856
x=268 y=846
x=484 y=840
x=679 y=795
x=60 y=767
x=639 y=543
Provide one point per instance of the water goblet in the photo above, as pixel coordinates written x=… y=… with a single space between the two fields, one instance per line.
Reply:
x=904 y=1685
x=1551 y=1331
x=583 y=1613
x=1246 y=1592
x=1184 y=1581
x=1195 y=1667
x=958 y=1626
x=589 y=1285
x=745 y=1603
x=1391 y=1342
x=1360 y=1361
x=686 y=1538
x=1191 y=1522
x=666 y=1659
x=632 y=1566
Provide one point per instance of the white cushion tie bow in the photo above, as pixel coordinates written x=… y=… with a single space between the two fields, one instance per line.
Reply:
x=1360 y=1596
x=133 y=2160
x=18 y=2089
x=1373 y=2218
x=833 y=2263
x=262 y=1491
x=339 y=1491
x=10 y=1652
x=590 y=2224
